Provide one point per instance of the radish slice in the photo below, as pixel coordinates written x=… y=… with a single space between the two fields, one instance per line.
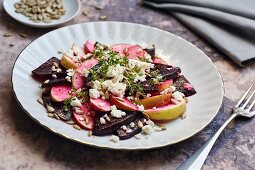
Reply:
x=89 y=46
x=100 y=105
x=60 y=93
x=87 y=64
x=123 y=103
x=84 y=120
x=135 y=51
x=120 y=48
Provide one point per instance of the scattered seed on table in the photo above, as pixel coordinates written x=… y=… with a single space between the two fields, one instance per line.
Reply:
x=99 y=7
x=12 y=44
x=85 y=12
x=103 y=17
x=23 y=35
x=77 y=127
x=8 y=35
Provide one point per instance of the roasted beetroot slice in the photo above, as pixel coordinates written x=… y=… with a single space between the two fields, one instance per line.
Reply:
x=134 y=52
x=168 y=72
x=183 y=85
x=122 y=134
x=63 y=114
x=78 y=81
x=150 y=51
x=120 y=48
x=89 y=46
x=55 y=81
x=147 y=87
x=113 y=125
x=45 y=70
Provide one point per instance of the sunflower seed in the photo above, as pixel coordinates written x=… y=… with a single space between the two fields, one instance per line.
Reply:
x=85 y=13
x=56 y=116
x=39 y=100
x=70 y=122
x=140 y=124
x=77 y=127
x=99 y=7
x=12 y=44
x=8 y=35
x=89 y=133
x=51 y=115
x=50 y=109
x=103 y=17
x=163 y=127
x=23 y=35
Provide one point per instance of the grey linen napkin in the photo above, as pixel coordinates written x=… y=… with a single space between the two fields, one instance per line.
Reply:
x=229 y=25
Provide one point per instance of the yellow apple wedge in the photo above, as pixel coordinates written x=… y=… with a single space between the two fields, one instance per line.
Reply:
x=67 y=62
x=167 y=112
x=156 y=101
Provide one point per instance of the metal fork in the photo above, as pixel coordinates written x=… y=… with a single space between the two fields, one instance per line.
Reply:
x=196 y=161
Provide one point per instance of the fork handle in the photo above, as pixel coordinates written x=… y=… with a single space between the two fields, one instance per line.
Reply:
x=196 y=161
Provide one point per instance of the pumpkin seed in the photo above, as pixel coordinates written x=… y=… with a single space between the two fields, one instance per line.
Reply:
x=8 y=35
x=23 y=35
x=77 y=127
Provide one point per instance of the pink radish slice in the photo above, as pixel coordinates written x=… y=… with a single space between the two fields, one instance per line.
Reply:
x=158 y=60
x=78 y=50
x=89 y=46
x=120 y=48
x=85 y=121
x=60 y=93
x=123 y=103
x=100 y=105
x=135 y=51
x=78 y=81
x=87 y=64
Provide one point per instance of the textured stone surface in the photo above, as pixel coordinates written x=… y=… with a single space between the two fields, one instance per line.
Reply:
x=26 y=145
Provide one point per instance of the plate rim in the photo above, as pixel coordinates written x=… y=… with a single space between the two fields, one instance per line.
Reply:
x=38 y=25
x=112 y=147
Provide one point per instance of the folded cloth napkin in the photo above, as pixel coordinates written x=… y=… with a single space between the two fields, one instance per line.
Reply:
x=229 y=25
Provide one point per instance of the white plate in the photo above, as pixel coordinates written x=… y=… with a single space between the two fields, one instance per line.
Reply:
x=195 y=65
x=72 y=9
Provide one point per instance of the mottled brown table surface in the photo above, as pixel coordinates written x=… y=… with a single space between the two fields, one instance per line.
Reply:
x=26 y=145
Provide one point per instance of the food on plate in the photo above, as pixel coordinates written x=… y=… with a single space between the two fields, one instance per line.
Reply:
x=121 y=90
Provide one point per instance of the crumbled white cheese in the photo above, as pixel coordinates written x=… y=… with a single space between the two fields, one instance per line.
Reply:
x=138 y=136
x=140 y=78
x=105 y=84
x=132 y=124
x=68 y=78
x=124 y=127
x=147 y=129
x=115 y=70
x=113 y=107
x=96 y=85
x=168 y=90
x=102 y=120
x=117 y=113
x=115 y=138
x=117 y=89
x=157 y=129
x=85 y=72
x=154 y=108
x=140 y=108
x=148 y=57
x=94 y=93
x=47 y=81
x=70 y=72
x=148 y=95
x=54 y=75
x=101 y=104
x=75 y=102
x=140 y=64
x=177 y=96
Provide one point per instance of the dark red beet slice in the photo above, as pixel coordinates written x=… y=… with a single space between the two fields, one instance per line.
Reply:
x=112 y=125
x=45 y=70
x=63 y=114
x=150 y=51
x=60 y=93
x=55 y=81
x=183 y=85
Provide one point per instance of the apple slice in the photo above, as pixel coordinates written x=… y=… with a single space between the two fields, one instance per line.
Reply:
x=120 y=48
x=89 y=46
x=67 y=62
x=60 y=93
x=123 y=103
x=156 y=101
x=135 y=51
x=100 y=105
x=159 y=60
x=84 y=120
x=167 y=112
x=164 y=85
x=78 y=50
